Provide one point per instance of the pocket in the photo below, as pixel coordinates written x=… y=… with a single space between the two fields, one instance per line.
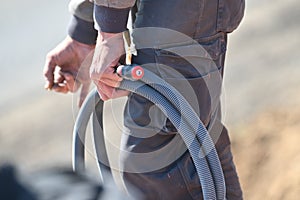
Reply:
x=193 y=59
x=230 y=14
x=190 y=176
x=195 y=71
x=177 y=15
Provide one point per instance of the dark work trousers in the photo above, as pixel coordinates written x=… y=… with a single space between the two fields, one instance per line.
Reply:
x=167 y=35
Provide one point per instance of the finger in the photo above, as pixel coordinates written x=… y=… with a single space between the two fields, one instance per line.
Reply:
x=102 y=95
x=48 y=72
x=108 y=73
x=111 y=92
x=58 y=78
x=60 y=87
x=107 y=90
x=110 y=82
x=119 y=93
x=72 y=84
x=83 y=93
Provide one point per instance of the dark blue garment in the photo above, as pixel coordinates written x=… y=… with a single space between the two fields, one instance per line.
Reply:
x=159 y=167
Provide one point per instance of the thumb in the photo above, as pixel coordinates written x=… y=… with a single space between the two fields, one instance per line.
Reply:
x=72 y=84
x=83 y=93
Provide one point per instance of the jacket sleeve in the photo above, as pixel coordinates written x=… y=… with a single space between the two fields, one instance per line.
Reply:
x=81 y=27
x=111 y=15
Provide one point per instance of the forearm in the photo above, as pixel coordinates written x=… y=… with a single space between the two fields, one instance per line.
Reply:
x=110 y=16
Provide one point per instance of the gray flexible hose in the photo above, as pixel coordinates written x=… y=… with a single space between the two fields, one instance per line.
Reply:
x=79 y=131
x=79 y=134
x=187 y=127
x=184 y=108
x=201 y=164
x=187 y=133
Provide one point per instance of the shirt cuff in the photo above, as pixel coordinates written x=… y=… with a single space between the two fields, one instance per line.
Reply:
x=111 y=20
x=82 y=31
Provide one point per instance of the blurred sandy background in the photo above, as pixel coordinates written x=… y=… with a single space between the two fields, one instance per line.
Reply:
x=262 y=101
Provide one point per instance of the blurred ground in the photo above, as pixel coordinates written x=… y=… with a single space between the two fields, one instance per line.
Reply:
x=263 y=102
x=263 y=60
x=267 y=155
x=262 y=84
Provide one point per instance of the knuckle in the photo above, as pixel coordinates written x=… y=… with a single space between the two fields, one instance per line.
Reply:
x=109 y=96
x=47 y=74
x=104 y=98
x=50 y=56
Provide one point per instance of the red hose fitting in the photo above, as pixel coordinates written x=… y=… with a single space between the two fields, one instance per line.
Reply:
x=132 y=72
x=137 y=72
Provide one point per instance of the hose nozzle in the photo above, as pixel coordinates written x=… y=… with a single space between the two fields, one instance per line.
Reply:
x=132 y=72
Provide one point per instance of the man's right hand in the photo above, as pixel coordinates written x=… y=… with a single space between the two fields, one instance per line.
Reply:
x=67 y=67
x=110 y=48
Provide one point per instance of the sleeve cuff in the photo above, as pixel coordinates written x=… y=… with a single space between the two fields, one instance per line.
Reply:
x=82 y=31
x=111 y=20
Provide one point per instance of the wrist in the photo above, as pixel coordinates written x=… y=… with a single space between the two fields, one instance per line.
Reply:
x=76 y=43
x=104 y=36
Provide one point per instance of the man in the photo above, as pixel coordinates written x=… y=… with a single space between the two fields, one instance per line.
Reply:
x=160 y=29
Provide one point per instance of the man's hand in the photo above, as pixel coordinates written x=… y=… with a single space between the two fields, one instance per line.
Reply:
x=109 y=49
x=67 y=67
